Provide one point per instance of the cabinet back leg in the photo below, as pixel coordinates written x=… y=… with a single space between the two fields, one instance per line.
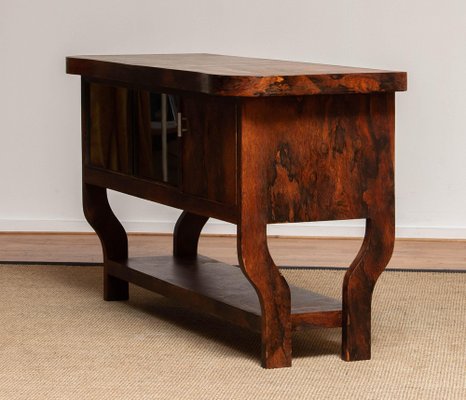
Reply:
x=186 y=235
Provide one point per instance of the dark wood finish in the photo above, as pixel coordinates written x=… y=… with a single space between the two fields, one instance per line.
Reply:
x=144 y=165
x=234 y=76
x=159 y=192
x=221 y=290
x=147 y=142
x=250 y=160
x=96 y=208
x=119 y=151
x=110 y=128
x=323 y=158
x=209 y=143
x=319 y=157
x=359 y=282
x=379 y=240
x=112 y=237
x=186 y=235
x=254 y=257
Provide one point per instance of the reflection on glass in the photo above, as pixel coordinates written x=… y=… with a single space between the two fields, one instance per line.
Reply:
x=158 y=141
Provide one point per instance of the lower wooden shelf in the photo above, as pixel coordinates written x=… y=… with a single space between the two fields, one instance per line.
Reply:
x=221 y=290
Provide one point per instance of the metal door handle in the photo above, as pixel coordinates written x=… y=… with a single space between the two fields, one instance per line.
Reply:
x=179 y=125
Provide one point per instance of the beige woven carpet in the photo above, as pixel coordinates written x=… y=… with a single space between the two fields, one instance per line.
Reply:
x=59 y=340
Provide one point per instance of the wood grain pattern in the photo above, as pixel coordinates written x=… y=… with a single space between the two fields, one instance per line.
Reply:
x=84 y=247
x=234 y=76
x=143 y=142
x=112 y=237
x=209 y=148
x=322 y=158
x=97 y=210
x=253 y=160
x=379 y=240
x=323 y=153
x=359 y=283
x=186 y=234
x=221 y=290
x=159 y=192
x=119 y=139
x=110 y=132
x=253 y=254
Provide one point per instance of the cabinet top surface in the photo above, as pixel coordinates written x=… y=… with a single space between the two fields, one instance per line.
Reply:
x=234 y=76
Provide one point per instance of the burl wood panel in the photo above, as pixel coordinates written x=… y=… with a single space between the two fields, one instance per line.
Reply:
x=321 y=154
x=209 y=148
x=110 y=126
x=234 y=76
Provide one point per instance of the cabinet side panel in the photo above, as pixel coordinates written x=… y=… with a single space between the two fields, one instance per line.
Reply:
x=322 y=156
x=209 y=148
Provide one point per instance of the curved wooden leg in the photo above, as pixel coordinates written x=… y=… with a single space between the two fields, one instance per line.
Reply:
x=186 y=235
x=111 y=234
x=256 y=157
x=272 y=290
x=359 y=283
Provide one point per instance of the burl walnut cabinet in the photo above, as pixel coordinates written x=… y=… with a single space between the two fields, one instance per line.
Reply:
x=251 y=142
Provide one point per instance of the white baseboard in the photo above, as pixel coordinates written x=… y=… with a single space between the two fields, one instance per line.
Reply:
x=354 y=228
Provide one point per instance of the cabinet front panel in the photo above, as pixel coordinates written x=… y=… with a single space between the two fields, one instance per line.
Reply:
x=209 y=148
x=185 y=141
x=110 y=133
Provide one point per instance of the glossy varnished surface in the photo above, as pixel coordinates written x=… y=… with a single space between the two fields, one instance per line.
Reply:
x=221 y=289
x=119 y=151
x=290 y=158
x=319 y=156
x=234 y=76
x=159 y=192
x=316 y=158
x=209 y=148
x=110 y=126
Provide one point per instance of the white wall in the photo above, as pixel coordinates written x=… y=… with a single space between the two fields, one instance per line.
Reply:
x=40 y=115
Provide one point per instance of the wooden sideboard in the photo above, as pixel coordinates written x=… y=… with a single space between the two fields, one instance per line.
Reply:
x=251 y=142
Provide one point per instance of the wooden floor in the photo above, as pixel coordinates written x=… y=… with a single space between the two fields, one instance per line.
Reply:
x=53 y=247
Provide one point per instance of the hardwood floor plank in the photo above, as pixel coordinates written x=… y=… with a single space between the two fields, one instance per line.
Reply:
x=69 y=247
